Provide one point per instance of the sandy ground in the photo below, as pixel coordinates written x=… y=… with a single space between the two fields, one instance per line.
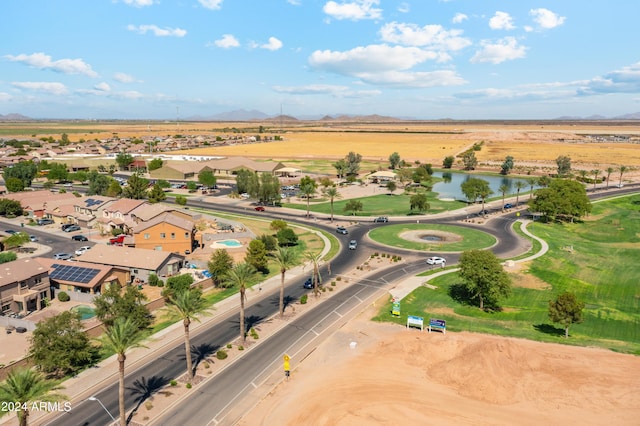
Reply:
x=397 y=376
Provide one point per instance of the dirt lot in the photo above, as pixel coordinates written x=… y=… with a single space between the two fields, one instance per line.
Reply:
x=398 y=376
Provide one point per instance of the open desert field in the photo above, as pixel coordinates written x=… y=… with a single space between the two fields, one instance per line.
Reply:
x=398 y=376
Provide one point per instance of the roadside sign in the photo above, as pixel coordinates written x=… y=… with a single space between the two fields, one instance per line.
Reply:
x=286 y=358
x=395 y=310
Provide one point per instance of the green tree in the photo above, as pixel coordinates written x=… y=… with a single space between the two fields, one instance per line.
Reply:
x=353 y=161
x=595 y=173
x=156 y=194
x=176 y=284
x=10 y=207
x=332 y=193
x=187 y=305
x=285 y=258
x=469 y=160
x=391 y=186
x=118 y=338
x=566 y=310
x=564 y=165
x=16 y=240
x=257 y=256
x=484 y=277
x=315 y=259
x=207 y=178
x=219 y=265
x=394 y=160
x=287 y=237
x=270 y=242
x=136 y=188
x=277 y=224
x=419 y=202
x=115 y=303
x=269 y=188
x=57 y=172
x=124 y=160
x=531 y=181
x=192 y=186
x=448 y=161
x=609 y=171
x=507 y=165
x=245 y=181
x=98 y=183
x=504 y=188
x=163 y=184
x=240 y=276
x=308 y=188
x=59 y=345
x=155 y=164
x=353 y=206
x=622 y=170
x=341 y=168
x=472 y=188
x=14 y=184
x=404 y=175
x=544 y=181
x=520 y=185
x=181 y=200
x=8 y=256
x=561 y=199
x=25 y=387
x=24 y=170
x=114 y=189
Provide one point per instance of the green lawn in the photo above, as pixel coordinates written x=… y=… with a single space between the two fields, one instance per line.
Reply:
x=471 y=238
x=596 y=259
x=378 y=205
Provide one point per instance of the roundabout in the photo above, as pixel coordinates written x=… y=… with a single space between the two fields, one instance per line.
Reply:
x=432 y=237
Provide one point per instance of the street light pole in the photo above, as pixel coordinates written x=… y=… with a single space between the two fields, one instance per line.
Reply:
x=93 y=398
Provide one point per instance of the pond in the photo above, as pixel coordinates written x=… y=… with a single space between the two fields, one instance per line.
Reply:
x=449 y=188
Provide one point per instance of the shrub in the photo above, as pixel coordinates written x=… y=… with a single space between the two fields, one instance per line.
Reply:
x=338 y=278
x=229 y=346
x=173 y=383
x=148 y=405
x=333 y=283
x=221 y=354
x=63 y=297
x=240 y=348
x=254 y=333
x=205 y=365
x=303 y=299
x=188 y=385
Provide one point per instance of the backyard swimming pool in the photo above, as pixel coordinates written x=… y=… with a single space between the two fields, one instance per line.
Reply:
x=228 y=243
x=86 y=312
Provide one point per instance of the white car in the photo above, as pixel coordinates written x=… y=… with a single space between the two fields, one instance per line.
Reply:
x=82 y=250
x=436 y=260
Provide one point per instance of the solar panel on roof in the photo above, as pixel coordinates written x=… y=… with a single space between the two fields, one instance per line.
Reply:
x=74 y=274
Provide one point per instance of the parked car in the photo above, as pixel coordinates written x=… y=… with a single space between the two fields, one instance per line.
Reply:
x=508 y=206
x=308 y=283
x=342 y=230
x=82 y=250
x=435 y=260
x=259 y=209
x=381 y=219
x=10 y=231
x=67 y=225
x=71 y=228
x=353 y=244
x=42 y=222
x=79 y=238
x=62 y=256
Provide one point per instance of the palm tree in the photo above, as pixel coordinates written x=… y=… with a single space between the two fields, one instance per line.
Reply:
x=609 y=171
x=503 y=190
x=622 y=169
x=595 y=172
x=123 y=335
x=332 y=193
x=519 y=185
x=308 y=190
x=240 y=276
x=187 y=305
x=24 y=387
x=583 y=174
x=285 y=258
x=315 y=259
x=532 y=182
x=483 y=194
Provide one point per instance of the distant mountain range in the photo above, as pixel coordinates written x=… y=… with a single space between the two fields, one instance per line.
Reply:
x=254 y=115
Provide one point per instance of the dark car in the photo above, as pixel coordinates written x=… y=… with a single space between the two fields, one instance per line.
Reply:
x=508 y=206
x=10 y=231
x=79 y=238
x=381 y=219
x=65 y=226
x=71 y=228
x=342 y=230
x=308 y=283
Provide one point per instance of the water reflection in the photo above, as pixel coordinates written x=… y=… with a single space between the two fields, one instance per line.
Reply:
x=449 y=188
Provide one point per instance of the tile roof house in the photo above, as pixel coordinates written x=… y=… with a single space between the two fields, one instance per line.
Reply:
x=82 y=277
x=24 y=286
x=166 y=232
x=140 y=262
x=118 y=214
x=35 y=203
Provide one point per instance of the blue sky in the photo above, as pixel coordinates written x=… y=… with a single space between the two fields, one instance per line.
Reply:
x=423 y=59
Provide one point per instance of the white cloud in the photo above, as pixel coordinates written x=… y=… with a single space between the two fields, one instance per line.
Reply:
x=138 y=3
x=157 y=31
x=124 y=78
x=311 y=89
x=273 y=44
x=5 y=97
x=211 y=4
x=625 y=80
x=500 y=51
x=103 y=87
x=294 y=2
x=66 y=66
x=501 y=21
x=227 y=42
x=42 y=86
x=546 y=19
x=404 y=8
x=414 y=79
x=355 y=10
x=434 y=36
x=459 y=17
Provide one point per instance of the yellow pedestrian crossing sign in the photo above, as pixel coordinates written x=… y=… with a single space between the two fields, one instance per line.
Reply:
x=286 y=358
